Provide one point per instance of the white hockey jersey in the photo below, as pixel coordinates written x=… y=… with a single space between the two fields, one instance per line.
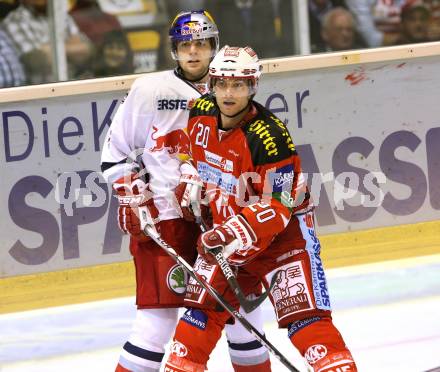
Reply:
x=152 y=120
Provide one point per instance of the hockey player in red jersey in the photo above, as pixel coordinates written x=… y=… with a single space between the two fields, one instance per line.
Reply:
x=263 y=222
x=151 y=121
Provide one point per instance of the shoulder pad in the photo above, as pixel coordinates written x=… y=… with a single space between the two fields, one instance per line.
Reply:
x=268 y=138
x=205 y=105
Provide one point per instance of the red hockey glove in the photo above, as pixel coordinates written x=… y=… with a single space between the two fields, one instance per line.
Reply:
x=235 y=234
x=136 y=206
x=190 y=194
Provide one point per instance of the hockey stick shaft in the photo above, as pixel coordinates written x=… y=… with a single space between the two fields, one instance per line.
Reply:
x=151 y=231
x=154 y=234
x=247 y=305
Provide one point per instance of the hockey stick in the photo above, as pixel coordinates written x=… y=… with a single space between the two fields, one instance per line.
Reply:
x=247 y=305
x=152 y=232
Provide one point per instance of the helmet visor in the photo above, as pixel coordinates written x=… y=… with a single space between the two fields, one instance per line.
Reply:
x=232 y=87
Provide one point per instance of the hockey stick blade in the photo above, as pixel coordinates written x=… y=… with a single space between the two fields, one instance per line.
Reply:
x=152 y=232
x=247 y=305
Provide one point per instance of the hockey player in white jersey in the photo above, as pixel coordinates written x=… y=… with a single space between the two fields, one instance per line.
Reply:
x=151 y=122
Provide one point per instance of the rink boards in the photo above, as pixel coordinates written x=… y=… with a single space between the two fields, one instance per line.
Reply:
x=372 y=114
x=117 y=280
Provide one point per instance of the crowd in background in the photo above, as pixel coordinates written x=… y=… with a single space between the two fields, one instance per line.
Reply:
x=101 y=40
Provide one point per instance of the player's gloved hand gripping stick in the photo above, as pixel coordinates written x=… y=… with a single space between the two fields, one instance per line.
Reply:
x=215 y=246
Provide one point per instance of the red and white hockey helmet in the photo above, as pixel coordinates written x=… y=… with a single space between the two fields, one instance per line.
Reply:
x=238 y=63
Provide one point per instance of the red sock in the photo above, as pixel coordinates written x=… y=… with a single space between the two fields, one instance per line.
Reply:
x=321 y=344
x=119 y=368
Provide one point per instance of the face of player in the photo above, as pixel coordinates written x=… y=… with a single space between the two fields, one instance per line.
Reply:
x=194 y=57
x=232 y=95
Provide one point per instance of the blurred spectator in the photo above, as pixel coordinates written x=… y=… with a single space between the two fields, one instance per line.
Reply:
x=11 y=69
x=28 y=28
x=434 y=25
x=377 y=20
x=6 y=6
x=177 y=6
x=317 y=10
x=338 y=30
x=415 y=18
x=264 y=24
x=92 y=21
x=283 y=27
x=114 y=56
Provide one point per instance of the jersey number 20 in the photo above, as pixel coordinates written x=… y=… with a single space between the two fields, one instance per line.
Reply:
x=202 y=135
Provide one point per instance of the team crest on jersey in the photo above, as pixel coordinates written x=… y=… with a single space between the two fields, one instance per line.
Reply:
x=175 y=142
x=177 y=278
x=290 y=293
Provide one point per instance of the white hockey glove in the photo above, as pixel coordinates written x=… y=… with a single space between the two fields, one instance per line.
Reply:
x=136 y=206
x=234 y=235
x=190 y=195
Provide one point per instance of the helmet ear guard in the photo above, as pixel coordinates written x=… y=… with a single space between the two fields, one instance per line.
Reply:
x=193 y=25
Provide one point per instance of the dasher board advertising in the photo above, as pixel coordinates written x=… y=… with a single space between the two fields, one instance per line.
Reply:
x=368 y=136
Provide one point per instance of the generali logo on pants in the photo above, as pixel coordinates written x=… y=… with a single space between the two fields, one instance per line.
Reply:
x=291 y=293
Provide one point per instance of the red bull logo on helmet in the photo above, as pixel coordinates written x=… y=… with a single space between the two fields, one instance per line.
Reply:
x=192 y=28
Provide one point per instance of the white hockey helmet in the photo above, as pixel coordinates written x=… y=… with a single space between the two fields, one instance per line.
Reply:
x=238 y=63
